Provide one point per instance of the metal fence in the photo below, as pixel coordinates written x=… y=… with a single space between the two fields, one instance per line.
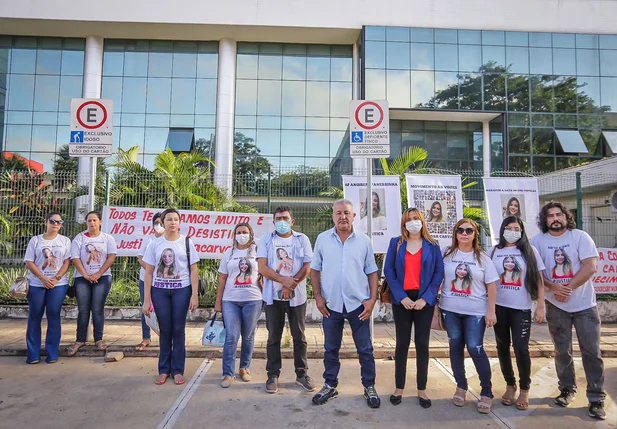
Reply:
x=25 y=198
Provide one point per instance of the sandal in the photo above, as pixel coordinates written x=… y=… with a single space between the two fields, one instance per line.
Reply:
x=142 y=346
x=178 y=379
x=508 y=397
x=459 y=397
x=101 y=345
x=72 y=351
x=484 y=405
x=522 y=403
x=162 y=379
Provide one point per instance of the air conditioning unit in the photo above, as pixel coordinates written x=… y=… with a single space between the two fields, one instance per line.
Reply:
x=613 y=202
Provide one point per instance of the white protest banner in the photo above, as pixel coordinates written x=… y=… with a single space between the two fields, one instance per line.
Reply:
x=212 y=232
x=440 y=200
x=386 y=204
x=512 y=196
x=605 y=279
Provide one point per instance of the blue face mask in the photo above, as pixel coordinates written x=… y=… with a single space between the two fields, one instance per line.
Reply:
x=282 y=227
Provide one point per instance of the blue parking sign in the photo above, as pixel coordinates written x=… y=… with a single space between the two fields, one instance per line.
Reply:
x=77 y=137
x=357 y=136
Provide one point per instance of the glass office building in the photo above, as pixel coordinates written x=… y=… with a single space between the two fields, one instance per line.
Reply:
x=545 y=95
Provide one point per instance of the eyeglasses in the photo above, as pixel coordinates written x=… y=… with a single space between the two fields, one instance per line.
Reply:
x=467 y=231
x=512 y=229
x=56 y=222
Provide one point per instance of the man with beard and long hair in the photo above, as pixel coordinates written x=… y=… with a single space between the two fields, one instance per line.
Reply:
x=572 y=301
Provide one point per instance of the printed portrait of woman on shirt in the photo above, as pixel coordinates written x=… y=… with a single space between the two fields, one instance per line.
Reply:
x=51 y=261
x=285 y=265
x=563 y=265
x=94 y=256
x=245 y=276
x=462 y=282
x=512 y=272
x=435 y=214
x=167 y=265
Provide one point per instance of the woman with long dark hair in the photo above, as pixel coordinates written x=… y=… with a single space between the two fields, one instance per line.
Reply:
x=520 y=267
x=513 y=208
x=435 y=213
x=414 y=271
x=468 y=310
x=239 y=298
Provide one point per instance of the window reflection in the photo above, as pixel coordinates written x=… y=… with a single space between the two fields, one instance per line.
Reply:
x=398 y=88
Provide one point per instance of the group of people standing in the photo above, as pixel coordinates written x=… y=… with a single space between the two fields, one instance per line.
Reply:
x=478 y=290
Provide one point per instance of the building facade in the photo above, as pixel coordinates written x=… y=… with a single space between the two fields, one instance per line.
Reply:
x=485 y=87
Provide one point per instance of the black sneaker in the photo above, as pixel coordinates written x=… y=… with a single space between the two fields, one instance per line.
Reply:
x=272 y=385
x=596 y=410
x=371 y=396
x=324 y=395
x=565 y=398
x=306 y=382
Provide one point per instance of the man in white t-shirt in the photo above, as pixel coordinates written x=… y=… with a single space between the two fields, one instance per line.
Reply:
x=571 y=259
x=284 y=259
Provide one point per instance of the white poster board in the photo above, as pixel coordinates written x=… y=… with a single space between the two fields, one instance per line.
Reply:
x=517 y=196
x=440 y=200
x=211 y=232
x=386 y=203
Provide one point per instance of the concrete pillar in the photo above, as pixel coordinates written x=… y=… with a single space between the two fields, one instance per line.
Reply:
x=358 y=164
x=486 y=148
x=91 y=88
x=225 y=114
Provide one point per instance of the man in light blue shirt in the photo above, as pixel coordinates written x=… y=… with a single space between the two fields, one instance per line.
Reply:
x=344 y=279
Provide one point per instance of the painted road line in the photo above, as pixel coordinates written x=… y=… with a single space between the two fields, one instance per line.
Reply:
x=172 y=415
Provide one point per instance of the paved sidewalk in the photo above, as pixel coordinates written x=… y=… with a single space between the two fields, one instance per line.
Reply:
x=124 y=335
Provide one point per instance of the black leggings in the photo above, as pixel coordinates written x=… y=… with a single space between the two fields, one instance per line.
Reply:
x=403 y=321
x=517 y=322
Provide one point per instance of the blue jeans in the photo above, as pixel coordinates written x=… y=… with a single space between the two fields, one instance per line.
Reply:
x=49 y=301
x=240 y=318
x=171 y=307
x=145 y=329
x=464 y=329
x=333 y=336
x=91 y=298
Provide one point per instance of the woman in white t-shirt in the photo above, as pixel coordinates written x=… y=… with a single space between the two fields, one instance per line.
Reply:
x=171 y=295
x=93 y=253
x=47 y=260
x=519 y=266
x=157 y=226
x=468 y=307
x=239 y=298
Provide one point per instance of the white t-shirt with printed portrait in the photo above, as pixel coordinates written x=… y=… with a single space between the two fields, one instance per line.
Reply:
x=512 y=270
x=93 y=251
x=242 y=275
x=465 y=280
x=171 y=268
x=562 y=258
x=282 y=262
x=48 y=256
x=142 y=252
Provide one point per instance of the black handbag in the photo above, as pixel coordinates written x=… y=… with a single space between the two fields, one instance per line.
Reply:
x=201 y=290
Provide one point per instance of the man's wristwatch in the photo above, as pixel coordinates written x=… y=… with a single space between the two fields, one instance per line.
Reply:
x=58 y=278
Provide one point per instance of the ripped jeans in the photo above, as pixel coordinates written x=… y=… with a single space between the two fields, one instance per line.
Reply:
x=465 y=330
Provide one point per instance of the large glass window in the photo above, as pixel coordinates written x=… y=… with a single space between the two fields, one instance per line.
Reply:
x=292 y=101
x=159 y=87
x=38 y=79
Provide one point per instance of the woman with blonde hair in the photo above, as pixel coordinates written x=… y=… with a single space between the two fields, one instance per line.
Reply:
x=467 y=311
x=414 y=271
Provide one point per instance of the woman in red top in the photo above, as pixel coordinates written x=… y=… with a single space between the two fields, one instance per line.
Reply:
x=414 y=271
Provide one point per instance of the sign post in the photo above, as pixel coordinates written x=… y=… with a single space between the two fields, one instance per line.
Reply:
x=91 y=134
x=369 y=137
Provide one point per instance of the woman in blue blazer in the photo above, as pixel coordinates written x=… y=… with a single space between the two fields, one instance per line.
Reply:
x=414 y=271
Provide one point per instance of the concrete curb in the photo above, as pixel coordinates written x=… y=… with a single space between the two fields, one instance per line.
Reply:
x=383 y=312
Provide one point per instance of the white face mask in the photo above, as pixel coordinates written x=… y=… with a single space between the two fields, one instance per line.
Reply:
x=158 y=228
x=512 y=236
x=414 y=226
x=242 y=239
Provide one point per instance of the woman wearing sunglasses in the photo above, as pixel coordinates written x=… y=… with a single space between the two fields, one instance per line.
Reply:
x=48 y=285
x=414 y=271
x=468 y=311
x=520 y=268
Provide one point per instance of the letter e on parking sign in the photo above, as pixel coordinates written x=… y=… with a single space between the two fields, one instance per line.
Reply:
x=369 y=132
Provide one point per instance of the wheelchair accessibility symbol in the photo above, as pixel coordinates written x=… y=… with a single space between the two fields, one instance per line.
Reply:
x=357 y=136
